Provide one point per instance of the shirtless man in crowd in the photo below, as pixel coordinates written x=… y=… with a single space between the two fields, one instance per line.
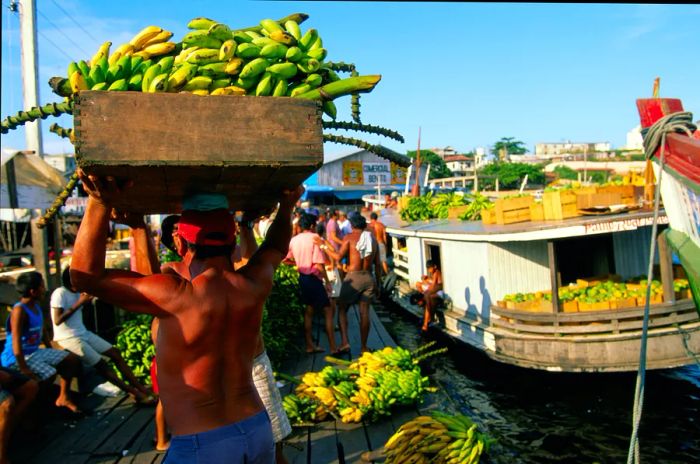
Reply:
x=359 y=284
x=209 y=325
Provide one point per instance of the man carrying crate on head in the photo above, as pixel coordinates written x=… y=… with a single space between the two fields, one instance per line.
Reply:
x=209 y=325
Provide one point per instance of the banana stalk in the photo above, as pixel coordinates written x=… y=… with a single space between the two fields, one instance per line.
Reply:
x=287 y=377
x=342 y=87
x=38 y=112
x=346 y=125
x=340 y=66
x=58 y=202
x=61 y=131
x=376 y=149
x=355 y=101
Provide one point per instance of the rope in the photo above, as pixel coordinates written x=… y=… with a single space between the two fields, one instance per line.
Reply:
x=654 y=138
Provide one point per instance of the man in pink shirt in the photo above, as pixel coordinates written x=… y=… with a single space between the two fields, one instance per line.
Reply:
x=305 y=253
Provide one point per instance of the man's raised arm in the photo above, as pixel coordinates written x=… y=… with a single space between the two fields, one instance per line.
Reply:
x=122 y=288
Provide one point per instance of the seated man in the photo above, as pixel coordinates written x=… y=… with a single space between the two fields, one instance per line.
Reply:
x=431 y=288
x=25 y=331
x=70 y=333
x=209 y=324
x=16 y=394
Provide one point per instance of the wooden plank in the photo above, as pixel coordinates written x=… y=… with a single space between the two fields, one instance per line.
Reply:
x=142 y=451
x=272 y=143
x=553 y=277
x=123 y=438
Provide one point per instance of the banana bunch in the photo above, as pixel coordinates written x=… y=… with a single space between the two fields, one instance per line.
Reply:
x=274 y=58
x=136 y=347
x=395 y=387
x=438 y=438
x=303 y=409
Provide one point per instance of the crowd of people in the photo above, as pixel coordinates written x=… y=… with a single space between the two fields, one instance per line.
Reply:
x=212 y=382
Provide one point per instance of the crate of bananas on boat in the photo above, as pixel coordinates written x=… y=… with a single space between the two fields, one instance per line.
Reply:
x=222 y=109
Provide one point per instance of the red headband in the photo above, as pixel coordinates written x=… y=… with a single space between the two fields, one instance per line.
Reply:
x=197 y=227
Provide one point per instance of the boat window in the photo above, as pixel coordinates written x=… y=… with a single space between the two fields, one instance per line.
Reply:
x=432 y=252
x=584 y=257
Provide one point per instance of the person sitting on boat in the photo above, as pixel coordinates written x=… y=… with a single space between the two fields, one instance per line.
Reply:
x=431 y=288
x=70 y=333
x=209 y=324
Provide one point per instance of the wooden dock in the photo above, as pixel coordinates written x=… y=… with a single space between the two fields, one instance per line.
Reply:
x=119 y=432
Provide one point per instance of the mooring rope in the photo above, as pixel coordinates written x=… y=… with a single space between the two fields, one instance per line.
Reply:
x=654 y=139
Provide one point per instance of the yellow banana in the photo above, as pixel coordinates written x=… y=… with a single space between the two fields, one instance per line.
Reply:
x=122 y=50
x=200 y=23
x=199 y=92
x=158 y=49
x=198 y=83
x=103 y=51
x=227 y=50
x=144 y=35
x=78 y=82
x=283 y=37
x=233 y=66
x=180 y=77
x=163 y=36
x=159 y=83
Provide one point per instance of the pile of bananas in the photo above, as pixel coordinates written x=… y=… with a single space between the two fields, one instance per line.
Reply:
x=274 y=58
x=136 y=346
x=365 y=388
x=438 y=438
x=303 y=409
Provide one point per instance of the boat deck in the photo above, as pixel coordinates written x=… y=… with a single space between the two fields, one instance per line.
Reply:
x=119 y=432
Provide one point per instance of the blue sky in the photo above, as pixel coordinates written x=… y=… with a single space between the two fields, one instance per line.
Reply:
x=467 y=74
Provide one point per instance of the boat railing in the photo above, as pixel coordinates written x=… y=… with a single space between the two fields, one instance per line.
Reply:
x=616 y=322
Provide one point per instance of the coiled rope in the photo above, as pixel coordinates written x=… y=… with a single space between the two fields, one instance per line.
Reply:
x=654 y=139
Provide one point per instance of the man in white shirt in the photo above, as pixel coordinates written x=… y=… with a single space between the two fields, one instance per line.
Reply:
x=71 y=334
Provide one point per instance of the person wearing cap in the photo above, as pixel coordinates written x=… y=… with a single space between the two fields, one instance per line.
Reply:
x=209 y=324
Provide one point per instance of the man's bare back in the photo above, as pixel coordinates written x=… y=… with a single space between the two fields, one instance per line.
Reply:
x=209 y=325
x=355 y=261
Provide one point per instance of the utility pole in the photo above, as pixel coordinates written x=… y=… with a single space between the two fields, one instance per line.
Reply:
x=27 y=22
x=416 y=187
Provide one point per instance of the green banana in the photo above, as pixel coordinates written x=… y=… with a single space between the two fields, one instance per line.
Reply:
x=314 y=80
x=142 y=67
x=241 y=37
x=125 y=63
x=166 y=63
x=203 y=56
x=293 y=28
x=135 y=82
x=103 y=64
x=202 y=39
x=201 y=23
x=197 y=83
x=280 y=89
x=96 y=76
x=273 y=51
x=227 y=50
x=246 y=83
x=308 y=39
x=159 y=83
x=294 y=54
x=309 y=65
x=254 y=68
x=114 y=73
x=318 y=53
x=119 y=85
x=180 y=77
x=85 y=70
x=213 y=70
x=253 y=34
x=72 y=67
x=299 y=90
x=220 y=31
x=265 y=85
x=270 y=25
x=218 y=83
x=318 y=43
x=149 y=75
x=247 y=51
x=283 y=70
x=135 y=63
x=100 y=86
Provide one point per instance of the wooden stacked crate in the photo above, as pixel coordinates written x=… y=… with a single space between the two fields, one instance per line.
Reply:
x=560 y=204
x=512 y=210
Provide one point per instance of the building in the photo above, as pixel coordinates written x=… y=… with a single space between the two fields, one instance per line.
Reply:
x=345 y=179
x=460 y=165
x=64 y=162
x=635 y=140
x=444 y=152
x=561 y=149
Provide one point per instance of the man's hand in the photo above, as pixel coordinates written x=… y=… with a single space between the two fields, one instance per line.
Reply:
x=128 y=218
x=103 y=190
x=84 y=298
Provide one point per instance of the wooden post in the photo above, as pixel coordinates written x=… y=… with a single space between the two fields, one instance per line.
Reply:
x=666 y=268
x=416 y=187
x=553 y=277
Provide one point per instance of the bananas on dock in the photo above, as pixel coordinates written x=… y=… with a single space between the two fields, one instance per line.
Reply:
x=437 y=438
x=274 y=58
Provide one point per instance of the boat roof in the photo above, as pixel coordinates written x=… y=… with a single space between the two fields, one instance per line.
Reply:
x=476 y=231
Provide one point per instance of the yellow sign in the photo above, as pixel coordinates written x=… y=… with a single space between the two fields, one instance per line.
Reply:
x=352 y=173
x=398 y=174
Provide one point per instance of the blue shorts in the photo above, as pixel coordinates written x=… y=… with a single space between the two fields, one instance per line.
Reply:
x=248 y=441
x=313 y=292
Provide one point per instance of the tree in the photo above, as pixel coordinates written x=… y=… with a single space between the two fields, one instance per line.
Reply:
x=438 y=168
x=508 y=146
x=510 y=175
x=565 y=172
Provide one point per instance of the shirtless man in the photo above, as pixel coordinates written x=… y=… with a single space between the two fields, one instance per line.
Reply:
x=379 y=230
x=359 y=285
x=209 y=325
x=431 y=287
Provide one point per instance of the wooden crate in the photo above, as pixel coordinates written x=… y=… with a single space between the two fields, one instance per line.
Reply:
x=558 y=205
x=623 y=303
x=512 y=210
x=248 y=148
x=537 y=212
x=488 y=216
x=569 y=306
x=628 y=193
x=454 y=212
x=597 y=306
x=593 y=200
